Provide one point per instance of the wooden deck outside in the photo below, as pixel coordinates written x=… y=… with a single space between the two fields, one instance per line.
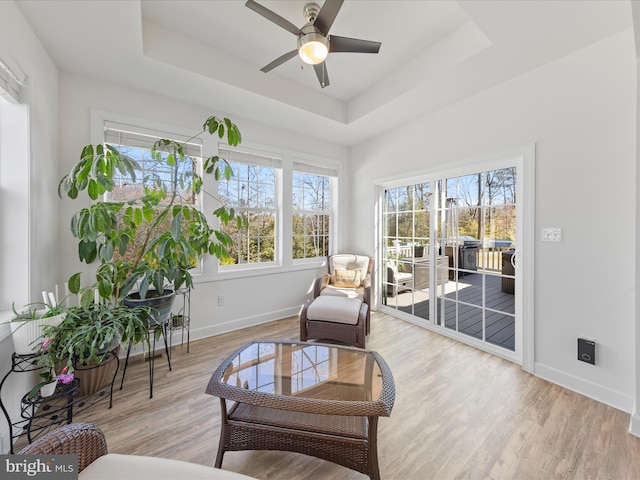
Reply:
x=499 y=307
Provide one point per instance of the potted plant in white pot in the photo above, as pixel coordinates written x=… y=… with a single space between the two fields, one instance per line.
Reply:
x=26 y=325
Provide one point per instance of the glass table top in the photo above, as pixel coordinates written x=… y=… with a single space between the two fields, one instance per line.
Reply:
x=299 y=371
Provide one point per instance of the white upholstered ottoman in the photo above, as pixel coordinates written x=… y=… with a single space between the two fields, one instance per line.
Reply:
x=329 y=317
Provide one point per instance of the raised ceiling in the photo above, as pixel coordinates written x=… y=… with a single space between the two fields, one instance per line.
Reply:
x=209 y=53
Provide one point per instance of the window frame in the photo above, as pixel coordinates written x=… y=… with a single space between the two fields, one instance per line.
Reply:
x=144 y=138
x=260 y=159
x=319 y=171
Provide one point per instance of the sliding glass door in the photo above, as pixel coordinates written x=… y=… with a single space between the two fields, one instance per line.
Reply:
x=450 y=255
x=407 y=248
x=477 y=228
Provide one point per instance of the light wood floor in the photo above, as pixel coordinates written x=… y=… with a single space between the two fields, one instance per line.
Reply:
x=459 y=414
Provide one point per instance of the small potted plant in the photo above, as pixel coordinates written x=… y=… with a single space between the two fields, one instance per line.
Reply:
x=47 y=386
x=26 y=325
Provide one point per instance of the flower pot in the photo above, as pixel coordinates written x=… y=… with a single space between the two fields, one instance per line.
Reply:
x=160 y=303
x=95 y=376
x=26 y=333
x=48 y=389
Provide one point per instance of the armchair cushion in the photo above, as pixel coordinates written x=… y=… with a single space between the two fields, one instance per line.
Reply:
x=346 y=278
x=348 y=261
x=349 y=292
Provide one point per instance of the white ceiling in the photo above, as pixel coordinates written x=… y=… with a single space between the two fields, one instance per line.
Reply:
x=209 y=53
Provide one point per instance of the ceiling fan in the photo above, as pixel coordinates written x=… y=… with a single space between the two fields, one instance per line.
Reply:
x=314 y=41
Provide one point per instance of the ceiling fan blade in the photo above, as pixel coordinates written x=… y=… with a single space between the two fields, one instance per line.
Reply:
x=353 y=45
x=279 y=61
x=321 y=73
x=327 y=15
x=274 y=17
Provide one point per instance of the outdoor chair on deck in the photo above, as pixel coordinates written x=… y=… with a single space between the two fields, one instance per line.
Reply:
x=340 y=309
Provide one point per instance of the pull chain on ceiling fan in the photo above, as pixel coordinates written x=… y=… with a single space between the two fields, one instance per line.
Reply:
x=314 y=41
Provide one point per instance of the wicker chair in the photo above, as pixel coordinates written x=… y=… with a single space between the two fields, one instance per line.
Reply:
x=345 y=291
x=82 y=439
x=94 y=463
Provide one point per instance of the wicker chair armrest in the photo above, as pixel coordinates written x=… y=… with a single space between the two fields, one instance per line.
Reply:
x=82 y=439
x=367 y=289
x=320 y=284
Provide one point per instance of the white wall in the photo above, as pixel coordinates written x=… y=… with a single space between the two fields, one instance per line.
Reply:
x=38 y=224
x=580 y=112
x=276 y=293
x=634 y=426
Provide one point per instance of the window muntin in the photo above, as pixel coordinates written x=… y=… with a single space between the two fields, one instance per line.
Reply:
x=311 y=204
x=252 y=192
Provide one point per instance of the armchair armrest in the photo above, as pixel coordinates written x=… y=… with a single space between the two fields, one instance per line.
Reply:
x=367 y=289
x=320 y=283
x=82 y=439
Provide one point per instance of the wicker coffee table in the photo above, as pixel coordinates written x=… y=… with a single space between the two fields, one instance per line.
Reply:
x=317 y=399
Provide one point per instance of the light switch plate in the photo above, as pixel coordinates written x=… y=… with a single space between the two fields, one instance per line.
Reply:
x=552 y=235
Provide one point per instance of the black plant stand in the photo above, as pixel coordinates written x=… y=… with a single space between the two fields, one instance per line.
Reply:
x=151 y=331
x=182 y=320
x=38 y=414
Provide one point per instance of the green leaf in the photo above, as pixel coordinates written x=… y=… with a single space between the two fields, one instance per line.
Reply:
x=74 y=282
x=105 y=288
x=176 y=227
x=93 y=189
x=87 y=251
x=147 y=212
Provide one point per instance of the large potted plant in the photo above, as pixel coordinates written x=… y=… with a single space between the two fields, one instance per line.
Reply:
x=146 y=247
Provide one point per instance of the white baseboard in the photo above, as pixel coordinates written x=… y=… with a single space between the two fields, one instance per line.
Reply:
x=613 y=398
x=231 y=325
x=634 y=425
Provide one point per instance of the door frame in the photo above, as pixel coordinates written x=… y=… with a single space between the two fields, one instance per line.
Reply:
x=523 y=158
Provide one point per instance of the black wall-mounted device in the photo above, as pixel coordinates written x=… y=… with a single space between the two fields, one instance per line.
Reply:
x=587 y=351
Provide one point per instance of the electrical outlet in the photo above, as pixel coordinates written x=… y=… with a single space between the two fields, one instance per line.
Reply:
x=222 y=300
x=552 y=235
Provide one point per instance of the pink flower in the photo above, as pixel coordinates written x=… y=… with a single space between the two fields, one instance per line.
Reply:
x=66 y=377
x=46 y=343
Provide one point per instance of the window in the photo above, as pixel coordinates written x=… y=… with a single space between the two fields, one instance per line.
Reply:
x=138 y=146
x=137 y=143
x=252 y=192
x=15 y=205
x=311 y=205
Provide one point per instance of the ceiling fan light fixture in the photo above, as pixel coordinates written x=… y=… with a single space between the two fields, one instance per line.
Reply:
x=313 y=48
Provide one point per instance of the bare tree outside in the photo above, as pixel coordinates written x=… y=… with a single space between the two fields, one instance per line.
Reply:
x=311 y=215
